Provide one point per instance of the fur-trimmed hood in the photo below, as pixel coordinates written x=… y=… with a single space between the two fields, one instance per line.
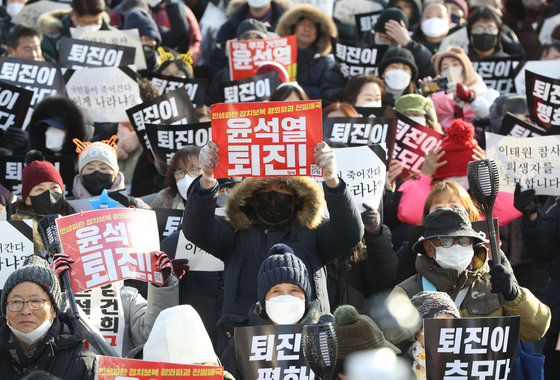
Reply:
x=310 y=200
x=234 y=5
x=326 y=26
x=50 y=22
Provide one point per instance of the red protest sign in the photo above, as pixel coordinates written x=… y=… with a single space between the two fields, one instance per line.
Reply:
x=110 y=245
x=119 y=368
x=267 y=139
x=246 y=56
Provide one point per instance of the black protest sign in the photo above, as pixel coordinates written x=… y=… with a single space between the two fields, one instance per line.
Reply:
x=196 y=87
x=412 y=140
x=165 y=139
x=271 y=352
x=513 y=126
x=256 y=88
x=498 y=72
x=355 y=131
x=168 y=221
x=543 y=99
x=366 y=21
x=14 y=104
x=42 y=78
x=355 y=58
x=76 y=54
x=383 y=111
x=471 y=348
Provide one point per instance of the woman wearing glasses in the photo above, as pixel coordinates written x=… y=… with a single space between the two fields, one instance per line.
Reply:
x=35 y=333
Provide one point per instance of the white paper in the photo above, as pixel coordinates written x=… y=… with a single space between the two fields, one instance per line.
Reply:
x=199 y=260
x=31 y=12
x=344 y=10
x=14 y=249
x=547 y=68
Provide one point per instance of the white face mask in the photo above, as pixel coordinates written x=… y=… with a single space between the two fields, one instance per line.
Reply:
x=454 y=74
x=183 y=185
x=435 y=27
x=379 y=41
x=419 y=119
x=455 y=257
x=370 y=105
x=14 y=8
x=397 y=79
x=257 y=3
x=88 y=28
x=285 y=310
x=54 y=139
x=34 y=336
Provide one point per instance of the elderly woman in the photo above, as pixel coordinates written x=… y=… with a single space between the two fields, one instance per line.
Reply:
x=35 y=333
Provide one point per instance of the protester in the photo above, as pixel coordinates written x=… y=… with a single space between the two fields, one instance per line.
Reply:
x=412 y=9
x=339 y=109
x=420 y=109
x=150 y=36
x=434 y=26
x=549 y=51
x=399 y=72
x=25 y=42
x=178 y=68
x=364 y=91
x=6 y=200
x=458 y=11
x=288 y=92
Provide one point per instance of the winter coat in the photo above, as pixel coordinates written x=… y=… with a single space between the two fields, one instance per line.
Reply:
x=166 y=199
x=61 y=353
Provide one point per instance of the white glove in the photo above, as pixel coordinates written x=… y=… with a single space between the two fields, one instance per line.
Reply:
x=325 y=159
x=208 y=159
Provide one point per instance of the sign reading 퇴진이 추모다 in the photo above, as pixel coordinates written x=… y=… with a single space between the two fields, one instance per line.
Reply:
x=498 y=72
x=543 y=99
x=355 y=58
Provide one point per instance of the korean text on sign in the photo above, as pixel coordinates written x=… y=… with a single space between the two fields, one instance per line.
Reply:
x=543 y=99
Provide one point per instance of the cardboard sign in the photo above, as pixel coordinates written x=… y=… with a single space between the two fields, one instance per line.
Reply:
x=253 y=89
x=471 y=348
x=165 y=139
x=14 y=104
x=246 y=56
x=106 y=92
x=366 y=21
x=199 y=259
x=534 y=162
x=345 y=10
x=456 y=37
x=79 y=54
x=498 y=73
x=543 y=99
x=355 y=58
x=196 y=87
x=548 y=68
x=271 y=352
x=42 y=78
x=31 y=12
x=119 y=368
x=266 y=139
x=16 y=245
x=110 y=245
x=168 y=220
x=515 y=127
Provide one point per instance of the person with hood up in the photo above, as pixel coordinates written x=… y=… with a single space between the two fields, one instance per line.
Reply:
x=412 y=9
x=150 y=36
x=262 y=211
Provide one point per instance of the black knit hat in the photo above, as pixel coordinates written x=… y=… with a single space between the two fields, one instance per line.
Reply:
x=251 y=25
x=399 y=54
x=138 y=18
x=282 y=266
x=44 y=277
x=390 y=14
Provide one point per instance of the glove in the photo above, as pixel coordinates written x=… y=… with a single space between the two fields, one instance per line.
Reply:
x=163 y=264
x=61 y=263
x=180 y=267
x=208 y=159
x=524 y=200
x=325 y=159
x=464 y=93
x=16 y=139
x=370 y=217
x=502 y=282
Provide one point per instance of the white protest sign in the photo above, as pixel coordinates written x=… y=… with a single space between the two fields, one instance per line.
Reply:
x=532 y=161
x=324 y=5
x=547 y=68
x=548 y=26
x=31 y=12
x=344 y=10
x=199 y=260
x=16 y=244
x=458 y=38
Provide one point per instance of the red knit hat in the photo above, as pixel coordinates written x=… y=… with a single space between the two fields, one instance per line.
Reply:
x=38 y=172
x=458 y=146
x=269 y=66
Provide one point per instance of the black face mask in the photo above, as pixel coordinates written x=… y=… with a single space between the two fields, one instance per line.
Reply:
x=484 y=42
x=48 y=202
x=149 y=51
x=95 y=182
x=274 y=207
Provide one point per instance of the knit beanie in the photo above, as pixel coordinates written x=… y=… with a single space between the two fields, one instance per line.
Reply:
x=432 y=304
x=398 y=54
x=269 y=66
x=458 y=146
x=390 y=14
x=460 y=55
x=44 y=277
x=417 y=104
x=282 y=266
x=38 y=172
x=357 y=332
x=98 y=151
x=251 y=25
x=141 y=20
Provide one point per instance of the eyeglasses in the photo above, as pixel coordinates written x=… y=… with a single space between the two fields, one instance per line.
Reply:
x=33 y=304
x=448 y=241
x=193 y=172
x=489 y=29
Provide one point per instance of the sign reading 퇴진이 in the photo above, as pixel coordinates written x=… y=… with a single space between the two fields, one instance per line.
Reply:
x=256 y=88
x=471 y=348
x=533 y=162
x=106 y=92
x=515 y=127
x=543 y=99
x=354 y=131
x=245 y=57
x=196 y=87
x=165 y=139
x=110 y=368
x=266 y=139
x=79 y=54
x=271 y=352
x=16 y=245
x=498 y=72
x=110 y=245
x=14 y=104
x=411 y=142
x=366 y=21
x=355 y=58
x=199 y=259
x=168 y=220
x=43 y=78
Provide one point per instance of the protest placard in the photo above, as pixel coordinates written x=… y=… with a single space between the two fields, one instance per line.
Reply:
x=498 y=72
x=168 y=220
x=119 y=368
x=345 y=10
x=30 y=13
x=79 y=54
x=383 y=111
x=246 y=56
x=199 y=259
x=355 y=58
x=547 y=27
x=354 y=131
x=266 y=139
x=16 y=245
x=110 y=245
x=533 y=162
x=324 y=5
x=366 y=21
x=14 y=104
x=271 y=352
x=545 y=67
x=456 y=37
x=543 y=99
x=42 y=78
x=256 y=88
x=196 y=87
x=515 y=127
x=471 y=348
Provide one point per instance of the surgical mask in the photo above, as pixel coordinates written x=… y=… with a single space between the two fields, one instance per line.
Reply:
x=257 y=3
x=455 y=257
x=484 y=41
x=274 y=207
x=95 y=182
x=370 y=105
x=183 y=185
x=14 y=8
x=48 y=202
x=419 y=119
x=454 y=74
x=87 y=28
x=285 y=309
x=221 y=200
x=34 y=336
x=379 y=41
x=435 y=27
x=54 y=139
x=397 y=79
